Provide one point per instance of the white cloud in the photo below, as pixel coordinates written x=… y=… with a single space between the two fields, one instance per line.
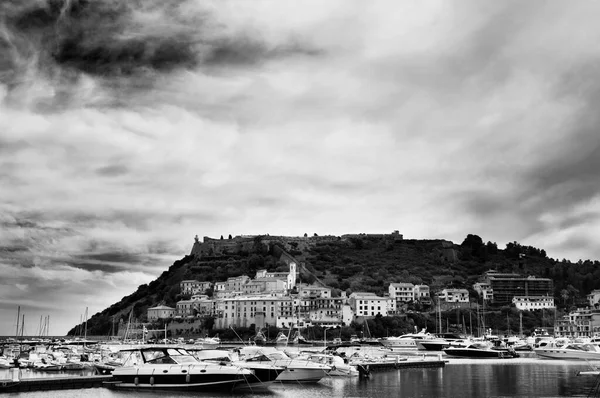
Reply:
x=438 y=119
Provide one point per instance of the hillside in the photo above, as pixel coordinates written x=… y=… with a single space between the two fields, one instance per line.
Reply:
x=354 y=263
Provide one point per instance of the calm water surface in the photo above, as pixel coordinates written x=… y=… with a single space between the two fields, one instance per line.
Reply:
x=523 y=377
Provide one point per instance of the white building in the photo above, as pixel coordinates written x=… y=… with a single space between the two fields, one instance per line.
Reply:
x=454 y=295
x=289 y=277
x=369 y=304
x=527 y=303
x=160 y=312
x=594 y=297
x=305 y=290
x=403 y=292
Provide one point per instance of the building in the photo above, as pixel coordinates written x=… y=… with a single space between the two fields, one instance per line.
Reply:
x=580 y=323
x=243 y=311
x=160 y=312
x=594 y=298
x=313 y=291
x=527 y=303
x=369 y=304
x=506 y=286
x=402 y=292
x=422 y=294
x=289 y=277
x=185 y=308
x=484 y=290
x=454 y=295
x=194 y=286
x=236 y=284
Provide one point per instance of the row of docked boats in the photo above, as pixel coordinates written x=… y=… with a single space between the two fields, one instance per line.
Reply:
x=248 y=367
x=493 y=347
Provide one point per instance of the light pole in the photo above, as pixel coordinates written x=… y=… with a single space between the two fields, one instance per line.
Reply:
x=325 y=337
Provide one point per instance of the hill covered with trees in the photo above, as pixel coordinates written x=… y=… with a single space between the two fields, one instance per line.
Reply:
x=366 y=263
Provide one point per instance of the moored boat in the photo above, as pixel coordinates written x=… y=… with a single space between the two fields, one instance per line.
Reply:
x=296 y=370
x=174 y=369
x=562 y=348
x=406 y=341
x=479 y=350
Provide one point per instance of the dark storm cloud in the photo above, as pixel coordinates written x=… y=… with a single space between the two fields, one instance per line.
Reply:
x=113 y=39
x=14 y=248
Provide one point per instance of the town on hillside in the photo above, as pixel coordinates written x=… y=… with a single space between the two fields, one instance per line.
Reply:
x=277 y=299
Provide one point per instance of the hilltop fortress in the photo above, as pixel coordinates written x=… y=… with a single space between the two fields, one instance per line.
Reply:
x=211 y=246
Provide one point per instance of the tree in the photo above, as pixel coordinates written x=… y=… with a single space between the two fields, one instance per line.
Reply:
x=305 y=235
x=565 y=296
x=229 y=236
x=221 y=237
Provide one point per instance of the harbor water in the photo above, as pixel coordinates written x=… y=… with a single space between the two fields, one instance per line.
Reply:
x=462 y=378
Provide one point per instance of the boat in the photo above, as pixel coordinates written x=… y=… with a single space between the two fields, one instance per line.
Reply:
x=296 y=370
x=208 y=342
x=264 y=372
x=480 y=350
x=406 y=341
x=281 y=339
x=170 y=368
x=563 y=348
x=5 y=363
x=298 y=339
x=260 y=338
x=339 y=366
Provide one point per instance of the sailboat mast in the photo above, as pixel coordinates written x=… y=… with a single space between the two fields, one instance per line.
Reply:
x=18 y=318
x=521 y=324
x=85 y=333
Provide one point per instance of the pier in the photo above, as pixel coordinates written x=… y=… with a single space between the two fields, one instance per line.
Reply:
x=51 y=383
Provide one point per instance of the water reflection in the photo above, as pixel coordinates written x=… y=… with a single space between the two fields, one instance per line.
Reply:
x=484 y=378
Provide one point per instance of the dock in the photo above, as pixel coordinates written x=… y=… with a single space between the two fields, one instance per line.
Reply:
x=52 y=383
x=365 y=367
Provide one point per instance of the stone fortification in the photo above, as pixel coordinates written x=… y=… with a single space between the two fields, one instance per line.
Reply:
x=211 y=246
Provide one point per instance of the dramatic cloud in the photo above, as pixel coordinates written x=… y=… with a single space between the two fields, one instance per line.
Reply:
x=127 y=127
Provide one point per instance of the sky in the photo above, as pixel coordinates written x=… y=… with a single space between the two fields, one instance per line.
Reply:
x=127 y=127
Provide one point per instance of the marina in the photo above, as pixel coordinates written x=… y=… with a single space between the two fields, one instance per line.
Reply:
x=465 y=378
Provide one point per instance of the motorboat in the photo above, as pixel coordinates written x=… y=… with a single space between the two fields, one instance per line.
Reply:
x=281 y=339
x=406 y=341
x=339 y=366
x=480 y=350
x=260 y=338
x=265 y=372
x=562 y=348
x=172 y=368
x=443 y=340
x=296 y=370
x=208 y=342
x=5 y=363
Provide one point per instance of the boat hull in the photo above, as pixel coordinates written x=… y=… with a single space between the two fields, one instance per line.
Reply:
x=473 y=353
x=304 y=375
x=558 y=353
x=432 y=345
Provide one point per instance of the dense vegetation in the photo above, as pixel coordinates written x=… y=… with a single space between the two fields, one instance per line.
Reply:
x=366 y=263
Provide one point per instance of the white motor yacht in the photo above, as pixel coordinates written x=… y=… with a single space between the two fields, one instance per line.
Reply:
x=174 y=368
x=296 y=370
x=562 y=348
